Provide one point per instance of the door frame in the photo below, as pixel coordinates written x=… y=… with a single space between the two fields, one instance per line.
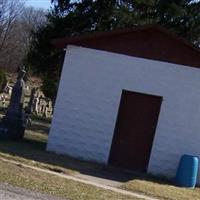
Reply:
x=118 y=118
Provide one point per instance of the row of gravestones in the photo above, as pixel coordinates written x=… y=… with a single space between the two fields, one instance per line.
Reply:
x=13 y=124
x=41 y=105
x=38 y=104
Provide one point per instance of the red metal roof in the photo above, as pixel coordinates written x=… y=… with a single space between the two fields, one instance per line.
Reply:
x=150 y=41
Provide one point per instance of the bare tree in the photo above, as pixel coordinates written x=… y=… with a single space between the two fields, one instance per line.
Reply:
x=9 y=10
x=16 y=24
x=30 y=20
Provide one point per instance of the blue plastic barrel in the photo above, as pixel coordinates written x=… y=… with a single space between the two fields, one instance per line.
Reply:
x=187 y=171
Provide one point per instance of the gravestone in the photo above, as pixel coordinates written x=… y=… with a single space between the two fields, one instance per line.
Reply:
x=30 y=106
x=13 y=124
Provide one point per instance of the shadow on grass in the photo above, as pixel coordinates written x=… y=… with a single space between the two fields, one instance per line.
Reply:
x=33 y=148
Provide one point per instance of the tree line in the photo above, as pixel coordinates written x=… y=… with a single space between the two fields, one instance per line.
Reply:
x=17 y=23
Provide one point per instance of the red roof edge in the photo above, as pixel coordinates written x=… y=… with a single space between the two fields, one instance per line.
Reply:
x=63 y=42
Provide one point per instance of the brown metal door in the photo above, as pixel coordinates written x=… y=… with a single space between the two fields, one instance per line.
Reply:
x=134 y=132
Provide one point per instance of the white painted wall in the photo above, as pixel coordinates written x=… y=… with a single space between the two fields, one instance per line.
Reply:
x=88 y=100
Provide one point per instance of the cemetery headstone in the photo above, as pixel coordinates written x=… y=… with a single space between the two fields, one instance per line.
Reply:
x=13 y=124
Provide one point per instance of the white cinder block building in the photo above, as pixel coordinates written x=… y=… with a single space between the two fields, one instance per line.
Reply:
x=129 y=98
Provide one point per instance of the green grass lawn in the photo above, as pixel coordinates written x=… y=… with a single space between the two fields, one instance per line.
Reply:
x=32 y=151
x=161 y=190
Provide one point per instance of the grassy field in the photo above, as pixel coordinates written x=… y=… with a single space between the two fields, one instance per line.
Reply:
x=32 y=151
x=53 y=185
x=161 y=190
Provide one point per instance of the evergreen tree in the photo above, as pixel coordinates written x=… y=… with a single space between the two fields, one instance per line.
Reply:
x=69 y=17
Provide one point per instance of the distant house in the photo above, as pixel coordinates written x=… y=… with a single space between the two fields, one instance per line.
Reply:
x=130 y=98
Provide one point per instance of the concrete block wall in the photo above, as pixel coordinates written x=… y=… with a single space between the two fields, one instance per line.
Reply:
x=88 y=101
